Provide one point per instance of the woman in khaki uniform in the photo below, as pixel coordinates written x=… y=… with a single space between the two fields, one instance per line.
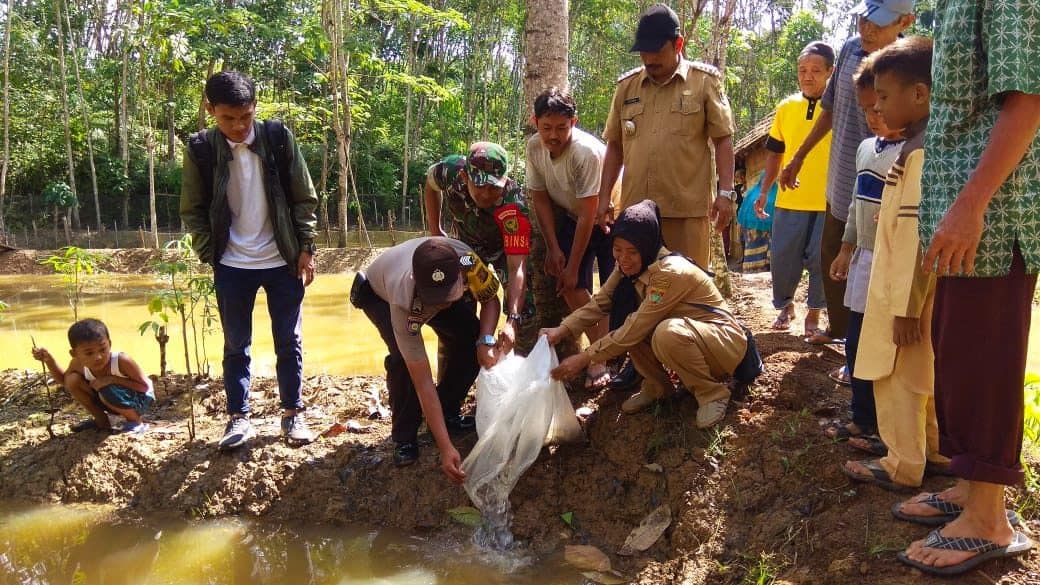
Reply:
x=668 y=330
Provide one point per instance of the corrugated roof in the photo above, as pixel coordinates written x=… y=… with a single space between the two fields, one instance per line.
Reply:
x=754 y=137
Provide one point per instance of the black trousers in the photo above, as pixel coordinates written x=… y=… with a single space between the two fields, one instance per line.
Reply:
x=457 y=328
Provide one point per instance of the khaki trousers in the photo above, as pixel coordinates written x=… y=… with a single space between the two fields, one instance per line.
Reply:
x=690 y=236
x=700 y=353
x=908 y=427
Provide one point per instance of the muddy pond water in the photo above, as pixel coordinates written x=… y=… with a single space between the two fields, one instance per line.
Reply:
x=52 y=544
x=78 y=544
x=337 y=338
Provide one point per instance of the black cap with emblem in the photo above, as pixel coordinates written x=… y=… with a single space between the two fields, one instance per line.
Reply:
x=657 y=25
x=437 y=272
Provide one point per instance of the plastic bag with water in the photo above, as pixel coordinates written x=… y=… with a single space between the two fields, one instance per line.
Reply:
x=520 y=408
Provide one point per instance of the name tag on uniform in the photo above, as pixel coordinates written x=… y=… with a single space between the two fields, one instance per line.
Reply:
x=634 y=100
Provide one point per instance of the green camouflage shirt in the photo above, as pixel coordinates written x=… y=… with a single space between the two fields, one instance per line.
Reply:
x=493 y=232
x=982 y=50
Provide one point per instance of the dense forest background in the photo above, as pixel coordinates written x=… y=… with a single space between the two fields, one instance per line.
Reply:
x=100 y=95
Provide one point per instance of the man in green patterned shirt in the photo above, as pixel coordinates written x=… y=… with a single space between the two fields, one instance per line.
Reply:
x=980 y=222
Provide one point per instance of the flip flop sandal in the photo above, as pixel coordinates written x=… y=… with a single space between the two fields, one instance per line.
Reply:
x=817 y=336
x=984 y=549
x=869 y=444
x=88 y=425
x=599 y=382
x=877 y=476
x=783 y=321
x=948 y=512
x=840 y=431
x=840 y=376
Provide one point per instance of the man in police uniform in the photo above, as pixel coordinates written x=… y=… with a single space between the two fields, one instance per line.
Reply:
x=430 y=281
x=664 y=117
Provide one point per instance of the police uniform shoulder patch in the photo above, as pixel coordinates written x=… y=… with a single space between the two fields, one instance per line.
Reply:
x=709 y=69
x=629 y=73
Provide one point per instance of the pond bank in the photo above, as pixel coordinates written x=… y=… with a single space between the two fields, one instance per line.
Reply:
x=761 y=496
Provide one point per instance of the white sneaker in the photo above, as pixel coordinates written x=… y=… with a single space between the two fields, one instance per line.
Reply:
x=711 y=413
x=136 y=428
x=238 y=431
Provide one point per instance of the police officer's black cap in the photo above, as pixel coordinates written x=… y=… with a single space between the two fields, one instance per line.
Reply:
x=657 y=25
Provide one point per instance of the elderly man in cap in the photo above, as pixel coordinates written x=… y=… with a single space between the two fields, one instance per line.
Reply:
x=663 y=122
x=880 y=22
x=488 y=212
x=431 y=281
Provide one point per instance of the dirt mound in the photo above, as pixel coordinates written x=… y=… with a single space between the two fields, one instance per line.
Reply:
x=758 y=499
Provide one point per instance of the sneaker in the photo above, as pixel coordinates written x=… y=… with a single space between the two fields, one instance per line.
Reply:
x=636 y=402
x=135 y=427
x=236 y=433
x=406 y=454
x=626 y=379
x=295 y=430
x=711 y=413
x=460 y=424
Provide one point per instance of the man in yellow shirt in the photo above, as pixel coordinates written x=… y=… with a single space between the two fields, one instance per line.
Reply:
x=799 y=216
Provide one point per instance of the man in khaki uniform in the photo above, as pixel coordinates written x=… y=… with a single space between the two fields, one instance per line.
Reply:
x=663 y=122
x=681 y=324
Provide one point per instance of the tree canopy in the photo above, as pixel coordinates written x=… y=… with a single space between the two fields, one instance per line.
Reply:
x=418 y=80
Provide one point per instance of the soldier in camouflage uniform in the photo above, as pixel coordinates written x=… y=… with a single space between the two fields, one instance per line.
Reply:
x=488 y=212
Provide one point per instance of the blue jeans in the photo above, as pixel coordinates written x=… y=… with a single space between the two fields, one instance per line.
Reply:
x=236 y=294
x=864 y=412
x=795 y=245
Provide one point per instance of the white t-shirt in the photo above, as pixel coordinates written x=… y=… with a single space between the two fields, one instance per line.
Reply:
x=573 y=175
x=251 y=242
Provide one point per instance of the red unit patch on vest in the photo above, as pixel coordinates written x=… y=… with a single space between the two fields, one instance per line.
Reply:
x=515 y=229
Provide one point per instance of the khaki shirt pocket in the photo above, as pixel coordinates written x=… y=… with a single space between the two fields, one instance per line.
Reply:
x=632 y=120
x=687 y=115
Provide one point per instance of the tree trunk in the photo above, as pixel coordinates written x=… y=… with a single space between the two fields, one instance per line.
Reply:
x=124 y=131
x=545 y=55
x=323 y=181
x=171 y=120
x=545 y=50
x=334 y=16
x=152 y=215
x=74 y=210
x=202 y=100
x=85 y=112
x=409 y=62
x=7 y=118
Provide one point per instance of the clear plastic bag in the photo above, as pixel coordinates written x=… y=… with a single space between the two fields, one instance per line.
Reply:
x=520 y=408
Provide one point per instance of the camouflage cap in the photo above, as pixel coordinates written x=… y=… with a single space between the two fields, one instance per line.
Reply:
x=487 y=164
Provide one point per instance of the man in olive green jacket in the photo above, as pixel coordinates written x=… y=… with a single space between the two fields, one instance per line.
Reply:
x=248 y=201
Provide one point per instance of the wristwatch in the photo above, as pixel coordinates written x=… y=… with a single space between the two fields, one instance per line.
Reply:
x=728 y=194
x=310 y=248
x=488 y=340
x=515 y=318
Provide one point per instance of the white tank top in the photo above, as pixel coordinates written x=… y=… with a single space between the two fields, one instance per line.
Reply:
x=115 y=371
